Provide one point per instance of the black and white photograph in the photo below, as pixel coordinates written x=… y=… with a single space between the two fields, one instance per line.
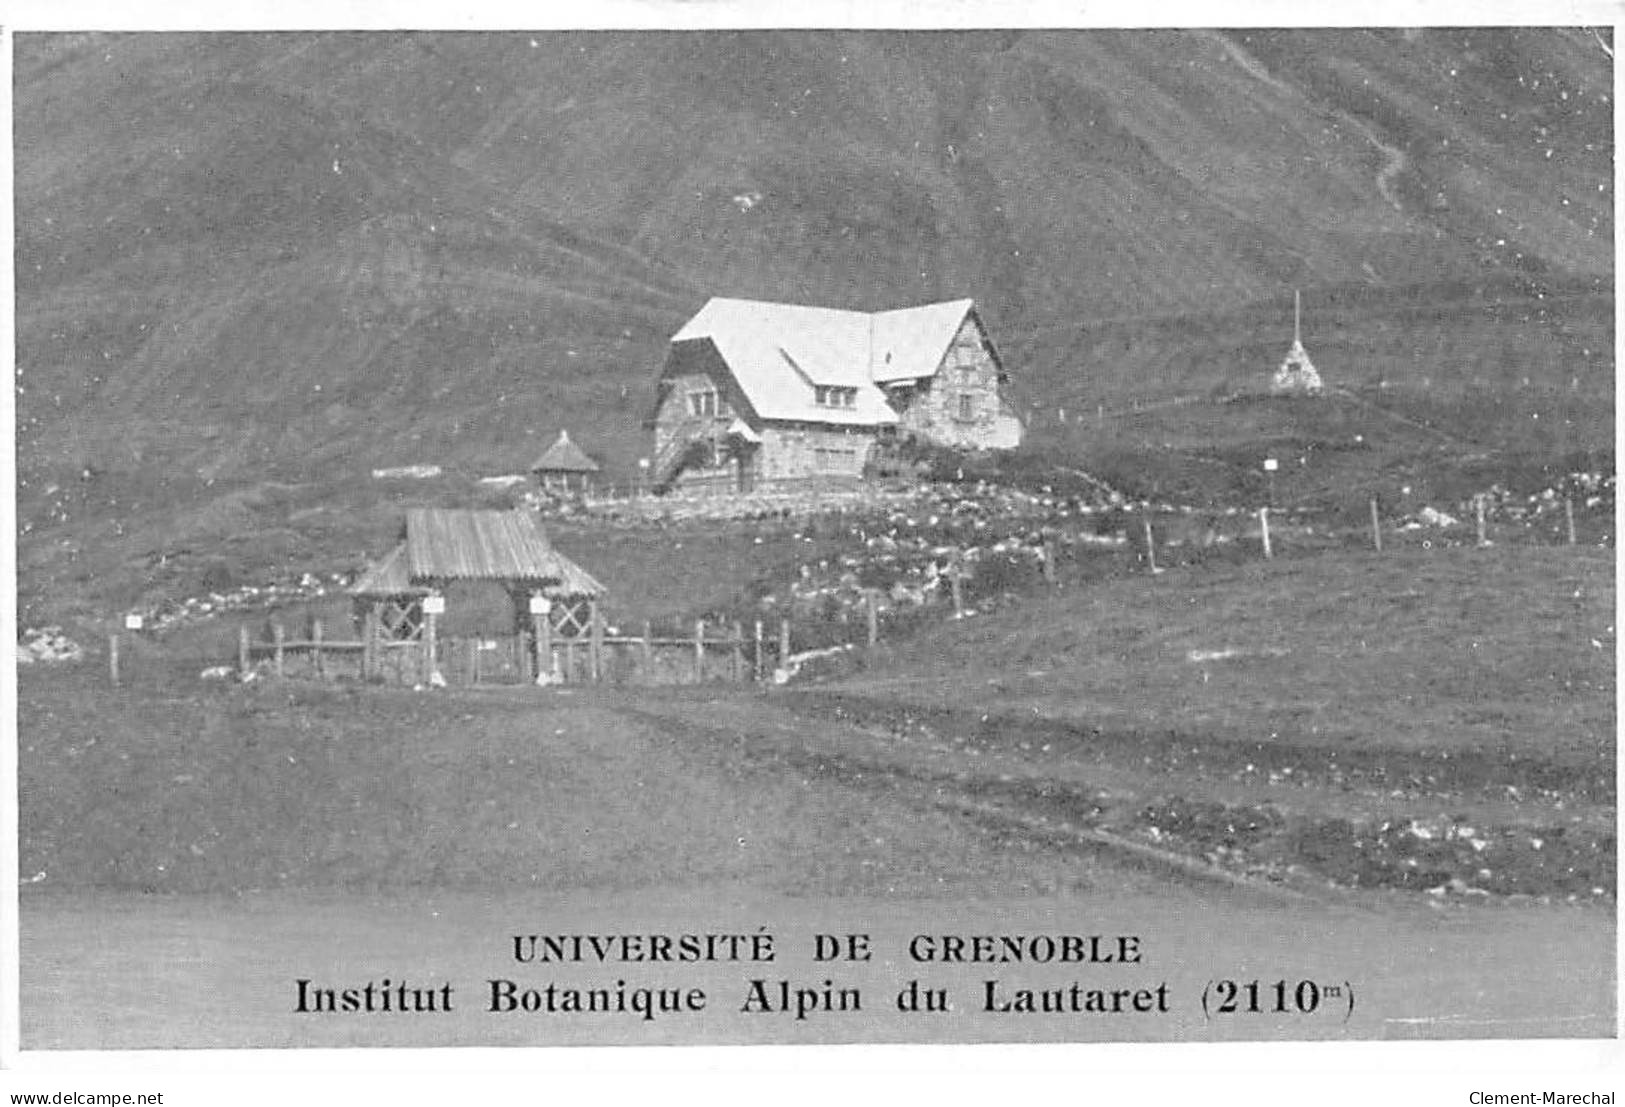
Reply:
x=802 y=536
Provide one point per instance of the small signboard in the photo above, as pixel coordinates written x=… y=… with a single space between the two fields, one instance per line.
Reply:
x=1270 y=465
x=434 y=605
x=540 y=605
x=132 y=622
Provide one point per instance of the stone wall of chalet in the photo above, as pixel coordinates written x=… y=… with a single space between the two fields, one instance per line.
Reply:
x=962 y=405
x=676 y=418
x=790 y=456
x=801 y=452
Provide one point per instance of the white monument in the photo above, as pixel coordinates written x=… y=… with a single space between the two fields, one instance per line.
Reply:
x=1296 y=374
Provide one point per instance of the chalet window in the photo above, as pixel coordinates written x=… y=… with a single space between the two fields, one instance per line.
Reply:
x=836 y=459
x=702 y=403
x=828 y=395
x=967 y=406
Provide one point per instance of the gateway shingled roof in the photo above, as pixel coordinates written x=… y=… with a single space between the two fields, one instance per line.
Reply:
x=474 y=545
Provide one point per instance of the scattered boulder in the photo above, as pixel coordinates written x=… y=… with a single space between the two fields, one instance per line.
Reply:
x=407 y=472
x=793 y=664
x=47 y=644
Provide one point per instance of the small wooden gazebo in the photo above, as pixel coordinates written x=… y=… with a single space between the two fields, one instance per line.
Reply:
x=400 y=595
x=565 y=467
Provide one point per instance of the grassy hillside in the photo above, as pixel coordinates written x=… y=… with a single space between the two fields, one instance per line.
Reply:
x=254 y=263
x=1434 y=720
x=1488 y=650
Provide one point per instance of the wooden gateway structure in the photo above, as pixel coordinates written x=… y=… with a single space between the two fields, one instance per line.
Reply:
x=428 y=618
x=403 y=597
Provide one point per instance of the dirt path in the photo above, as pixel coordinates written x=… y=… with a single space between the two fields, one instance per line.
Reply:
x=1272 y=819
x=1394 y=164
x=1395 y=159
x=932 y=777
x=1249 y=63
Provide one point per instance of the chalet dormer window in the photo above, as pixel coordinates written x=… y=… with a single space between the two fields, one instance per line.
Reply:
x=702 y=403
x=829 y=395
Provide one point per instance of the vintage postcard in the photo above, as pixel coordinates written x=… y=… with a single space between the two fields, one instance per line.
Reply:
x=712 y=534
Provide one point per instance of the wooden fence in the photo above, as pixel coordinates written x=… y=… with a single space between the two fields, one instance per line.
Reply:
x=709 y=653
x=727 y=653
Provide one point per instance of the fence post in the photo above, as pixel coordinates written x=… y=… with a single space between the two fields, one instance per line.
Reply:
x=1478 y=509
x=369 y=643
x=699 y=651
x=1264 y=530
x=430 y=644
x=1376 y=526
x=112 y=658
x=784 y=642
x=276 y=643
x=596 y=644
x=542 y=631
x=1150 y=546
x=316 y=647
x=1048 y=551
x=757 y=670
x=1568 y=515
x=872 y=607
x=242 y=651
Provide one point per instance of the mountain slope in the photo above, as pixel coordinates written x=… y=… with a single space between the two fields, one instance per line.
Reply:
x=299 y=256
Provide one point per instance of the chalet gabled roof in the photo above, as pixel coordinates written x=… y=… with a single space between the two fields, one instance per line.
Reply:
x=441 y=546
x=909 y=344
x=780 y=353
x=564 y=456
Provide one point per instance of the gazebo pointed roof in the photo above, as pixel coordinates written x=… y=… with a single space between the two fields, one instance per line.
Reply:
x=564 y=456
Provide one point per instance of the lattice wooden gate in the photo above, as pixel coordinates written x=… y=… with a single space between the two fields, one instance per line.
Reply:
x=486 y=660
x=571 y=617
